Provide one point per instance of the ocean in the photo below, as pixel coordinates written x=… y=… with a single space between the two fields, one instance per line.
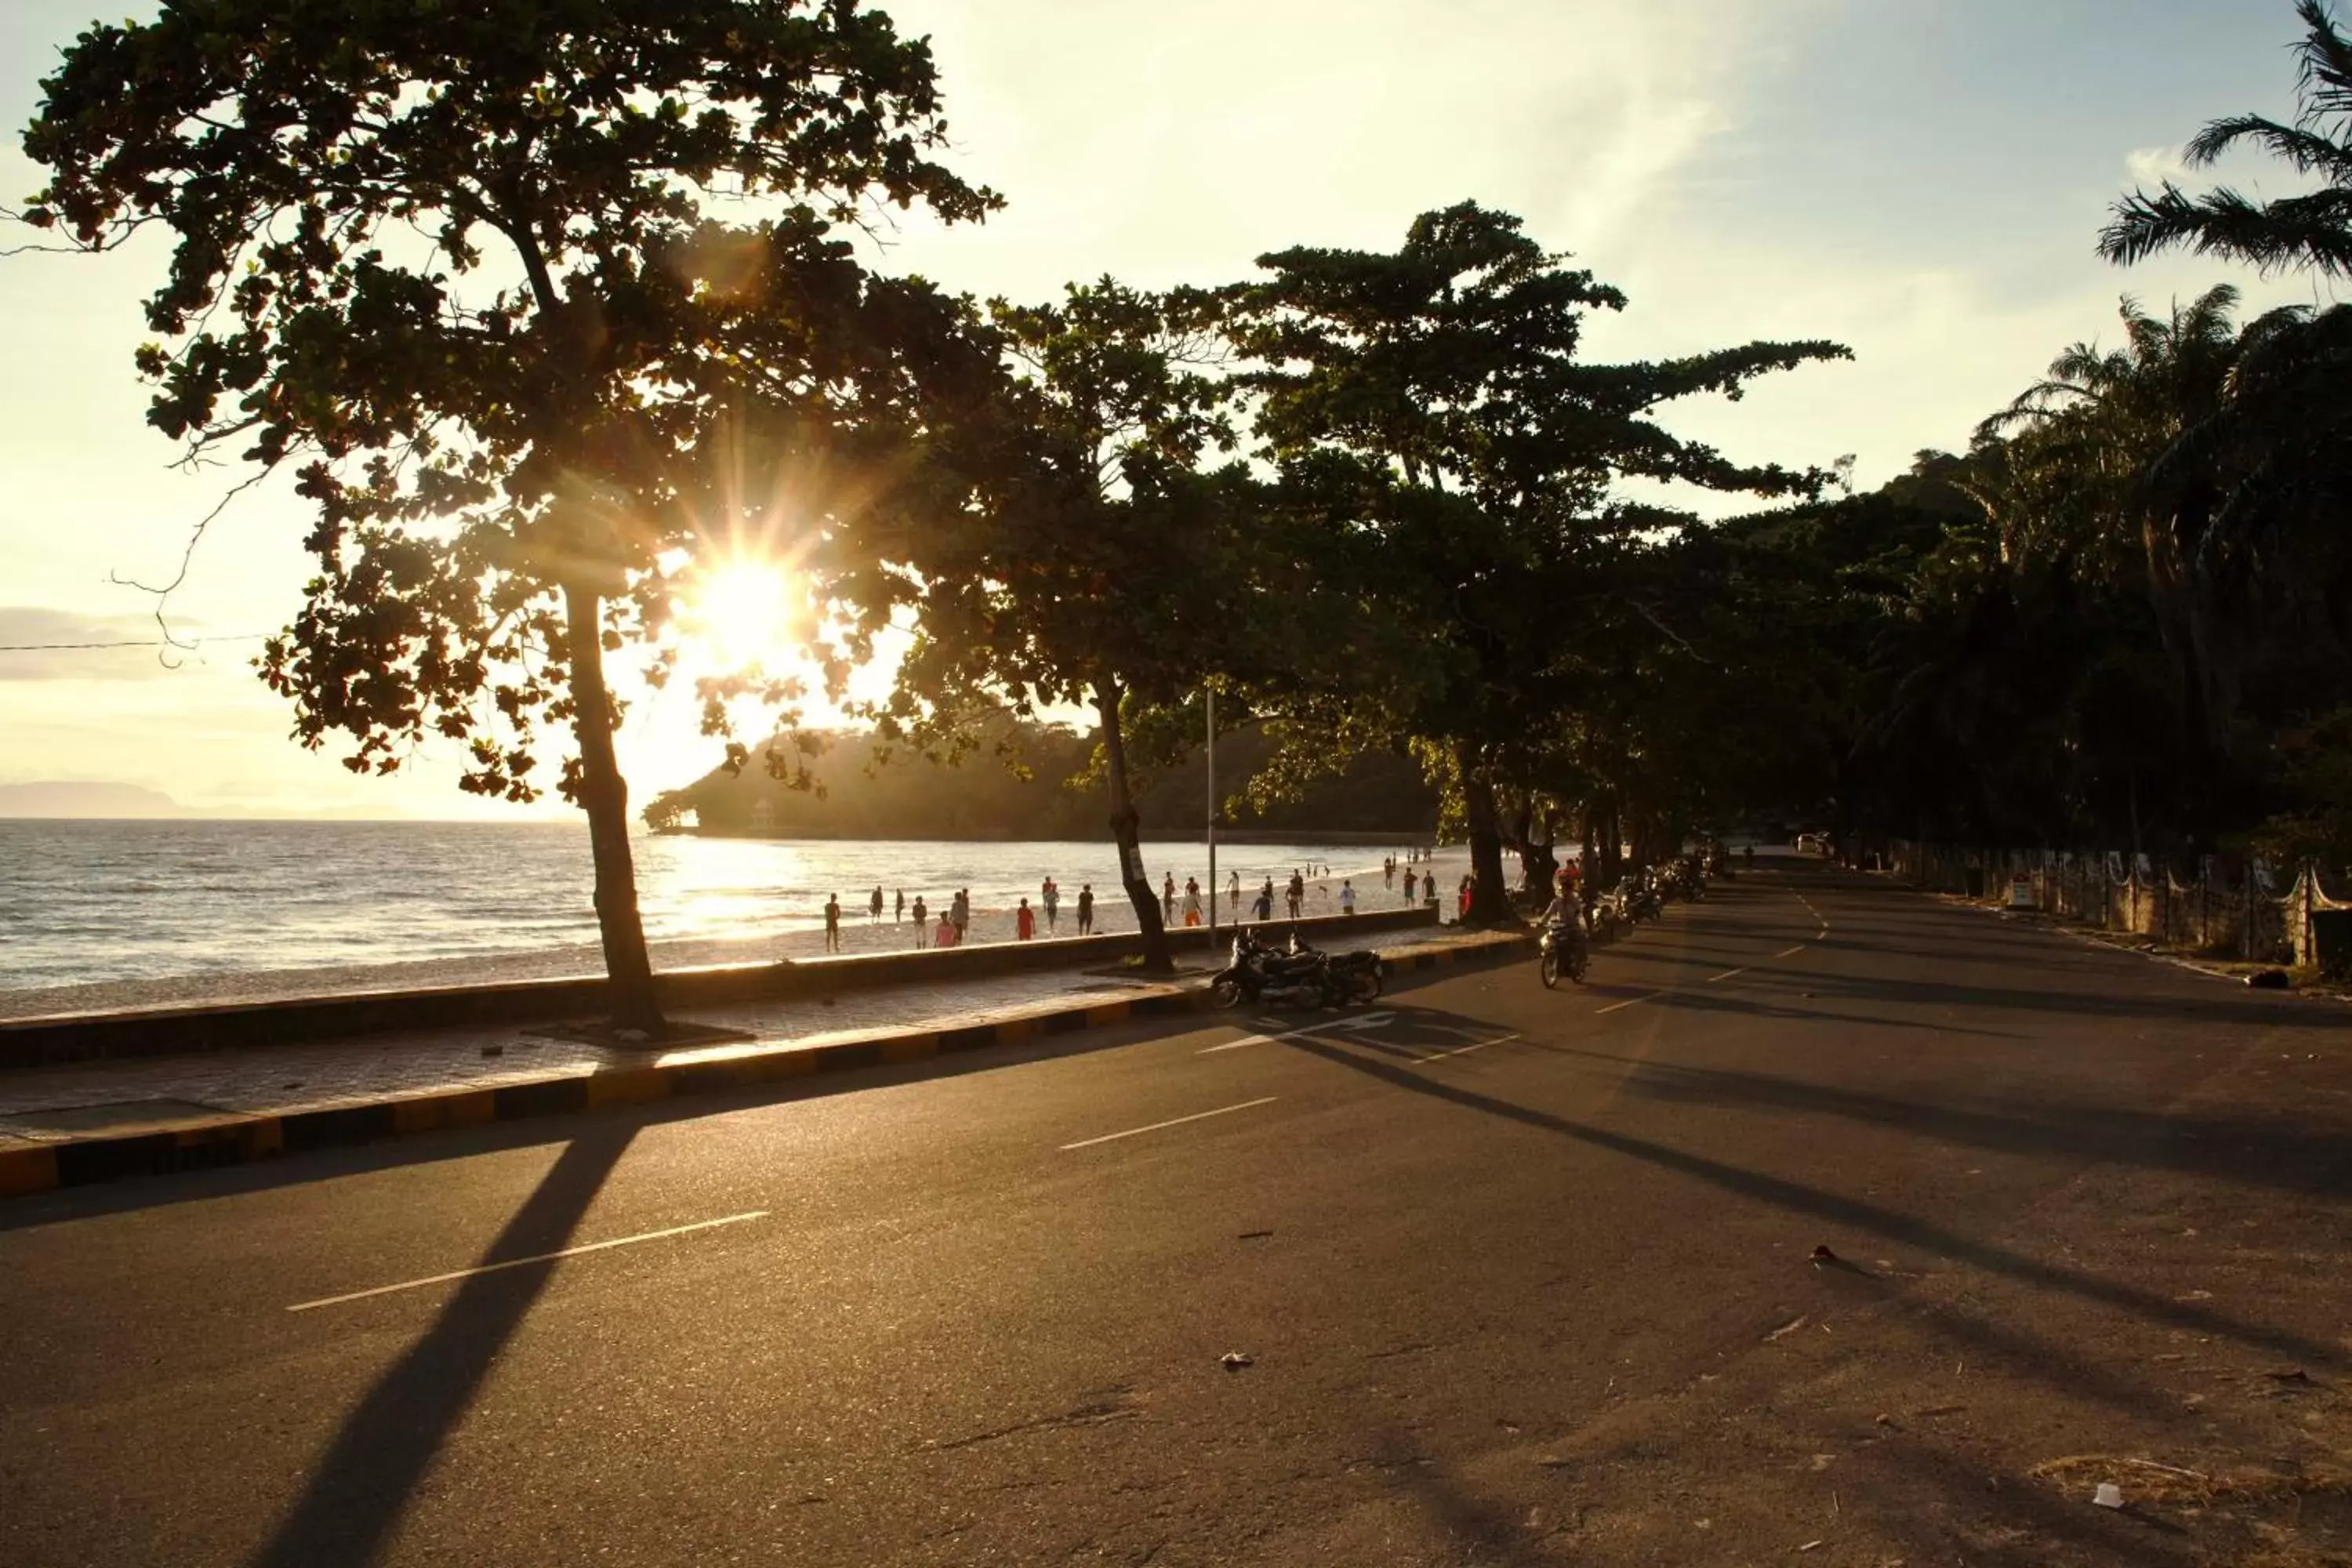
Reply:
x=88 y=904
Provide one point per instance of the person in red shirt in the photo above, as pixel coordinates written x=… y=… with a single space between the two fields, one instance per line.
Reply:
x=947 y=935
x=1025 y=921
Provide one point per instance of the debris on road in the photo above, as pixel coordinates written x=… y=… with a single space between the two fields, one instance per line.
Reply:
x=1785 y=1330
x=2268 y=980
x=1823 y=1255
x=2109 y=1495
x=1234 y=1361
x=1253 y=1236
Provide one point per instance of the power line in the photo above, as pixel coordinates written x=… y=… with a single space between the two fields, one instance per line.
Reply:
x=139 y=642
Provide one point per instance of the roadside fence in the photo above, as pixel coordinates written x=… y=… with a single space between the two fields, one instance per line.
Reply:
x=2221 y=905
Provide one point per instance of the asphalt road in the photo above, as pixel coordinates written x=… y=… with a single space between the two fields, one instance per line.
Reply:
x=1522 y=1277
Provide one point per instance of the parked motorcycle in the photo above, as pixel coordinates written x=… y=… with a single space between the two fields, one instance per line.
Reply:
x=1638 y=901
x=1300 y=977
x=1351 y=977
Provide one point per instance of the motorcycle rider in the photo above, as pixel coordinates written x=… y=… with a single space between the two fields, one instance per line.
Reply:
x=1566 y=910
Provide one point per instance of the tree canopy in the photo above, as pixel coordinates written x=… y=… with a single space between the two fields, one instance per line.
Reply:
x=459 y=265
x=1427 y=407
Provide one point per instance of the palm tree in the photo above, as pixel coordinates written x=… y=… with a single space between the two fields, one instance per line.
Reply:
x=2096 y=459
x=2312 y=230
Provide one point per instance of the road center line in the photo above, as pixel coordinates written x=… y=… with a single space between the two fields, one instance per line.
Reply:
x=524 y=1262
x=1791 y=951
x=1178 y=1121
x=1631 y=1001
x=1727 y=973
x=1473 y=1046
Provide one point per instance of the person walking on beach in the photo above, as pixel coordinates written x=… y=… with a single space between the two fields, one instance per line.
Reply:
x=1234 y=893
x=1411 y=880
x=1025 y=922
x=1346 y=897
x=833 y=923
x=1086 y=908
x=899 y=905
x=1168 y=899
x=1192 y=902
x=922 y=926
x=874 y=904
x=1295 y=892
x=1462 y=907
x=1052 y=893
x=947 y=935
x=1266 y=901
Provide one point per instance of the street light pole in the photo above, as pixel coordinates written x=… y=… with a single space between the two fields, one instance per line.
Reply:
x=1212 y=695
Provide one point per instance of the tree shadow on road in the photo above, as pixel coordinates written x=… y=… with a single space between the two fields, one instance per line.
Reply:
x=2171 y=1006
x=1853 y=1214
x=357 y=1492
x=1475 y=1529
x=2292 y=1155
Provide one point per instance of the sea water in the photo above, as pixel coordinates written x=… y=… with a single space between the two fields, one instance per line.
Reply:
x=92 y=902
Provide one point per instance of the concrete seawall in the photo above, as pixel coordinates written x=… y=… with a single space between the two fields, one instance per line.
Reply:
x=169 y=1031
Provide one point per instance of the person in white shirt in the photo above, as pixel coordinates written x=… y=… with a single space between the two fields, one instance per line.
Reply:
x=1347 y=898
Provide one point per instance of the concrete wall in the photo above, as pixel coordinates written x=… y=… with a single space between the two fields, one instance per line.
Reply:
x=171 y=1031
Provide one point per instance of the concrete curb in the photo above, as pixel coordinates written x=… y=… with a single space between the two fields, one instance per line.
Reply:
x=234 y=1139
x=53 y=1039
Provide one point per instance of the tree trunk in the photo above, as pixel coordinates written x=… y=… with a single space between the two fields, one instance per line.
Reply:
x=1537 y=864
x=1126 y=830
x=1487 y=905
x=1538 y=858
x=605 y=796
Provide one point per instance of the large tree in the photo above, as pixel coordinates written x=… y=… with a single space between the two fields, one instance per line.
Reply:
x=1098 y=562
x=1433 y=393
x=457 y=265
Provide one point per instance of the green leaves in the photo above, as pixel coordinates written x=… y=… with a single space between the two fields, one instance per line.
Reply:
x=1449 y=453
x=454 y=260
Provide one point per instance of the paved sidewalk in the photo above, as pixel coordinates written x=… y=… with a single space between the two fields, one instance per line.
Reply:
x=60 y=1104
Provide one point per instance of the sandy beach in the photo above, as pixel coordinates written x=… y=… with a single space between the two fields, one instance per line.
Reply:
x=563 y=961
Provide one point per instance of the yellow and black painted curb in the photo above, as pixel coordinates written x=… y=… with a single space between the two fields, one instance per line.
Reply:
x=231 y=1139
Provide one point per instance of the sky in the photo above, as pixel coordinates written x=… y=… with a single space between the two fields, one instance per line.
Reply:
x=1921 y=180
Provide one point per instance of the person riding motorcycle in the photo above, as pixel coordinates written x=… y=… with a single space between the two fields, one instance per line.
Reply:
x=1566 y=908
x=1562 y=949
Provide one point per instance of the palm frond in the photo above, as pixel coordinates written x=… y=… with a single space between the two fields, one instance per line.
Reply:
x=2307 y=150
x=2323 y=61
x=2209 y=321
x=2306 y=230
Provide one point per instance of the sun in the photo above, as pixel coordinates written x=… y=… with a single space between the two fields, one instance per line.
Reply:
x=742 y=613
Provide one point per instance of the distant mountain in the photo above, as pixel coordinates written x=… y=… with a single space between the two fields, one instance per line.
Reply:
x=58 y=797
x=860 y=797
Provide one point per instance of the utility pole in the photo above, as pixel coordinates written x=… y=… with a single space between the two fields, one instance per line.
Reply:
x=1212 y=694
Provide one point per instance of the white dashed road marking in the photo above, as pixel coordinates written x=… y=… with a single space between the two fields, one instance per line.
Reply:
x=525 y=1262
x=1175 y=1122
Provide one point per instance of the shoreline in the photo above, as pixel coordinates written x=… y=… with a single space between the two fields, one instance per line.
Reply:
x=585 y=959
